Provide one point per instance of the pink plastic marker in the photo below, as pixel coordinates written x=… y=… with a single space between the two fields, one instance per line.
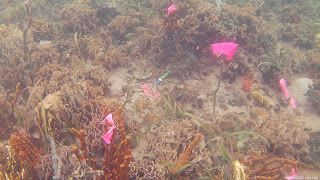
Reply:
x=171 y=9
x=156 y=94
x=146 y=89
x=286 y=93
x=226 y=48
x=293 y=176
x=107 y=137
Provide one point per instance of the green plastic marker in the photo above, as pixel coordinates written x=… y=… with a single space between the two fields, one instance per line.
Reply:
x=162 y=77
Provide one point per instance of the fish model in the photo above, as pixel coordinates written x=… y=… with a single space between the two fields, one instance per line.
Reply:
x=162 y=77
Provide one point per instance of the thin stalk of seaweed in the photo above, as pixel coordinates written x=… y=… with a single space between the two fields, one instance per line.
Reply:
x=127 y=96
x=32 y=92
x=20 y=118
x=215 y=91
x=76 y=122
x=167 y=100
x=37 y=120
x=135 y=52
x=57 y=163
x=75 y=37
x=138 y=7
x=177 y=170
x=224 y=152
x=207 y=173
x=44 y=119
x=206 y=127
x=174 y=110
x=147 y=155
x=82 y=59
x=25 y=31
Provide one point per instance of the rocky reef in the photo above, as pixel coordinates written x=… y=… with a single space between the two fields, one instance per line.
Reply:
x=65 y=66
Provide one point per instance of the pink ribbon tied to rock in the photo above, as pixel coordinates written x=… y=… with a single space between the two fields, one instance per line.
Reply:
x=226 y=48
x=171 y=9
x=148 y=91
x=292 y=177
x=107 y=137
x=286 y=93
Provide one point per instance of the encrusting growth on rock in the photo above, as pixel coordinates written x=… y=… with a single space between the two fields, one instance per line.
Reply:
x=271 y=168
x=80 y=135
x=7 y=117
x=27 y=152
x=183 y=160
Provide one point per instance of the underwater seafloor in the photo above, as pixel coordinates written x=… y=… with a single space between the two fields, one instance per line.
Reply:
x=66 y=65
